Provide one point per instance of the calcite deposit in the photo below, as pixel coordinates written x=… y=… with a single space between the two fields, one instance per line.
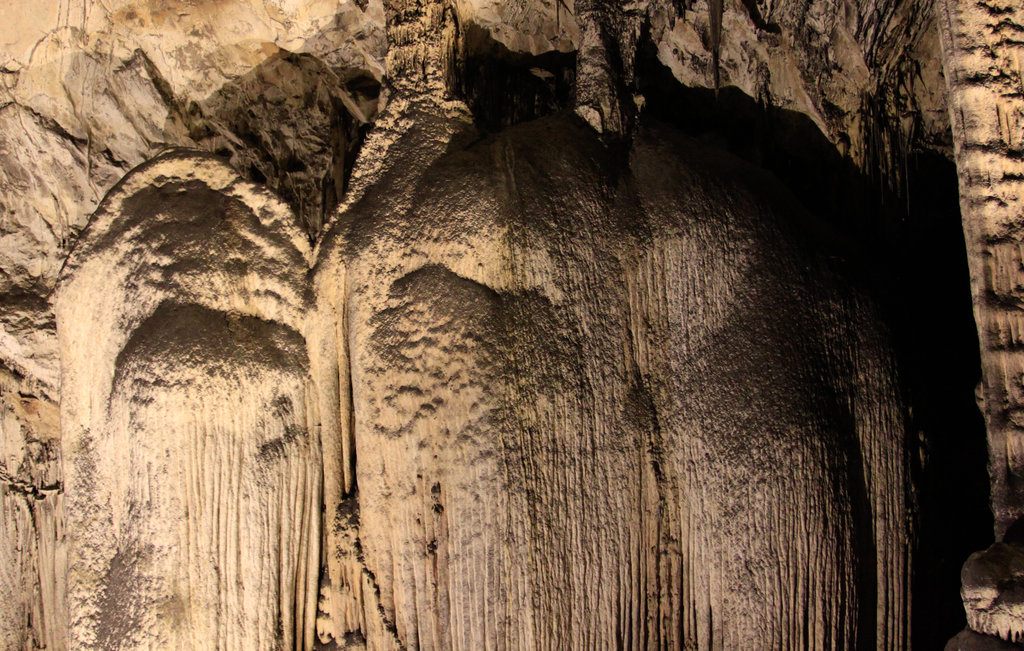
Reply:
x=543 y=324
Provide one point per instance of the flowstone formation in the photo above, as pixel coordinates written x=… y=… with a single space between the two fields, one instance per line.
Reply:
x=534 y=325
x=192 y=466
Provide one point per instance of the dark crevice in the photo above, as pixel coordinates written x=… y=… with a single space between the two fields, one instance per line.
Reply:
x=285 y=124
x=759 y=21
x=503 y=88
x=386 y=621
x=28 y=489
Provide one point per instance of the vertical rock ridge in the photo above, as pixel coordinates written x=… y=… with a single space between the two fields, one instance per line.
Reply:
x=987 y=113
x=32 y=552
x=418 y=107
x=982 y=52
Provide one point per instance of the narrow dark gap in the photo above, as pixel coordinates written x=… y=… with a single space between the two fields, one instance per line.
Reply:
x=942 y=366
x=908 y=252
x=503 y=88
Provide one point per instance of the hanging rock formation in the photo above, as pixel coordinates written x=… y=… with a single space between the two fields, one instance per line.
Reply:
x=983 y=48
x=988 y=117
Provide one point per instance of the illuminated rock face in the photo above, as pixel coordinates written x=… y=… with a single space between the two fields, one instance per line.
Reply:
x=191 y=461
x=416 y=325
x=572 y=396
x=987 y=113
x=612 y=399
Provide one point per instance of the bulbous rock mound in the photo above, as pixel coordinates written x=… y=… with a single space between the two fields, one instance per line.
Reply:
x=566 y=396
x=600 y=398
x=192 y=463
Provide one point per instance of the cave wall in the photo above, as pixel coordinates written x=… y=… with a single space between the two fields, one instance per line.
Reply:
x=32 y=530
x=460 y=375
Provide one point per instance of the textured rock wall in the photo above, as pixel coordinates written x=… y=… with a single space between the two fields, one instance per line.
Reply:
x=563 y=394
x=32 y=551
x=581 y=382
x=91 y=90
x=569 y=429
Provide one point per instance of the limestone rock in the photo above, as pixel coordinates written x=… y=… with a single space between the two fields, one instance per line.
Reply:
x=431 y=336
x=970 y=641
x=192 y=461
x=988 y=119
x=32 y=550
x=543 y=355
x=993 y=591
x=92 y=90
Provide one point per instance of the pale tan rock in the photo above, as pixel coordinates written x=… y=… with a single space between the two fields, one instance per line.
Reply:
x=191 y=447
x=90 y=90
x=32 y=551
x=565 y=425
x=535 y=391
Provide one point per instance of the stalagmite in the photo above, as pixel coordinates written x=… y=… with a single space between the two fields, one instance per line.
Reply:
x=570 y=429
x=987 y=111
